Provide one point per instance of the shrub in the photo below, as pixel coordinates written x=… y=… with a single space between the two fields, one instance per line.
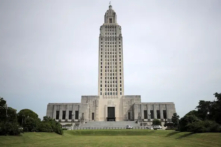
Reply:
x=156 y=122
x=203 y=126
x=8 y=128
x=50 y=125
x=187 y=119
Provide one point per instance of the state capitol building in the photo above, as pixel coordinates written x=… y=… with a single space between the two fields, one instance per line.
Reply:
x=110 y=104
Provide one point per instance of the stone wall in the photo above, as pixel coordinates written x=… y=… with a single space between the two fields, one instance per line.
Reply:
x=139 y=110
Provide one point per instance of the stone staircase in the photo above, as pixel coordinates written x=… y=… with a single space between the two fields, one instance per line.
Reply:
x=107 y=124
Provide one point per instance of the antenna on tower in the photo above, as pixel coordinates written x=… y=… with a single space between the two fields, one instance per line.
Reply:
x=110 y=3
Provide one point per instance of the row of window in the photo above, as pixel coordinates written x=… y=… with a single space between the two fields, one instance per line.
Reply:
x=107 y=49
x=110 y=58
x=109 y=85
x=110 y=26
x=110 y=45
x=108 y=77
x=107 y=63
x=112 y=53
x=110 y=82
x=110 y=33
x=110 y=38
x=111 y=63
x=114 y=42
x=114 y=89
x=115 y=64
x=110 y=93
x=110 y=30
x=111 y=71
x=152 y=114
x=70 y=115
x=111 y=50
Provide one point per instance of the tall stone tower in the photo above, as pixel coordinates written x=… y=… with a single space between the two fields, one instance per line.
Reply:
x=111 y=73
x=111 y=79
x=110 y=104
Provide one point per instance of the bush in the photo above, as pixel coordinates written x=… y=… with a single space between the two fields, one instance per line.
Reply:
x=203 y=126
x=50 y=125
x=8 y=128
x=156 y=122
x=45 y=127
x=187 y=119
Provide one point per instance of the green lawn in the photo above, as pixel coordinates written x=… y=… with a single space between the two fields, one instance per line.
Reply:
x=114 y=138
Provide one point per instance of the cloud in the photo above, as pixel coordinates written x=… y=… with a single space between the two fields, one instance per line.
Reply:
x=49 y=51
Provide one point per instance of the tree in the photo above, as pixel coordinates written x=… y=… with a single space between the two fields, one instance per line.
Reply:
x=25 y=114
x=187 y=119
x=216 y=108
x=204 y=108
x=175 y=119
x=50 y=125
x=8 y=119
x=156 y=122
x=29 y=120
x=3 y=109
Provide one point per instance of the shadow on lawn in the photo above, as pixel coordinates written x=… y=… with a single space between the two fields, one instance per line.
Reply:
x=172 y=133
x=185 y=135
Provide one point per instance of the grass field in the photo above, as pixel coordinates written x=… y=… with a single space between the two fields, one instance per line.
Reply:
x=114 y=138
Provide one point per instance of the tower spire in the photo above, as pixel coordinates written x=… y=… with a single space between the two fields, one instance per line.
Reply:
x=110 y=7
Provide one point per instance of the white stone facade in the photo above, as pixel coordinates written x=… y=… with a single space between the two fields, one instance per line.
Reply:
x=110 y=104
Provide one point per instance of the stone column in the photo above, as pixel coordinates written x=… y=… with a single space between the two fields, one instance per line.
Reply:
x=54 y=112
x=67 y=113
x=148 y=112
x=142 y=114
x=154 y=111
x=167 y=112
x=60 y=112
x=161 y=111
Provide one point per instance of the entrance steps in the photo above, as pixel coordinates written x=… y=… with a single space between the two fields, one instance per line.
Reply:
x=109 y=124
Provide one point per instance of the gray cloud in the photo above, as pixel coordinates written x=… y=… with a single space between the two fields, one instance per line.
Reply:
x=49 y=50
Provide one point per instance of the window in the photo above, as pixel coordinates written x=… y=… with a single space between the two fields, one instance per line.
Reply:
x=151 y=114
x=110 y=20
x=70 y=114
x=158 y=114
x=76 y=114
x=145 y=114
x=57 y=114
x=64 y=115
x=93 y=116
x=165 y=114
x=100 y=93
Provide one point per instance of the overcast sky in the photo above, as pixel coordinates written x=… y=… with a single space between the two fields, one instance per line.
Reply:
x=49 y=50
